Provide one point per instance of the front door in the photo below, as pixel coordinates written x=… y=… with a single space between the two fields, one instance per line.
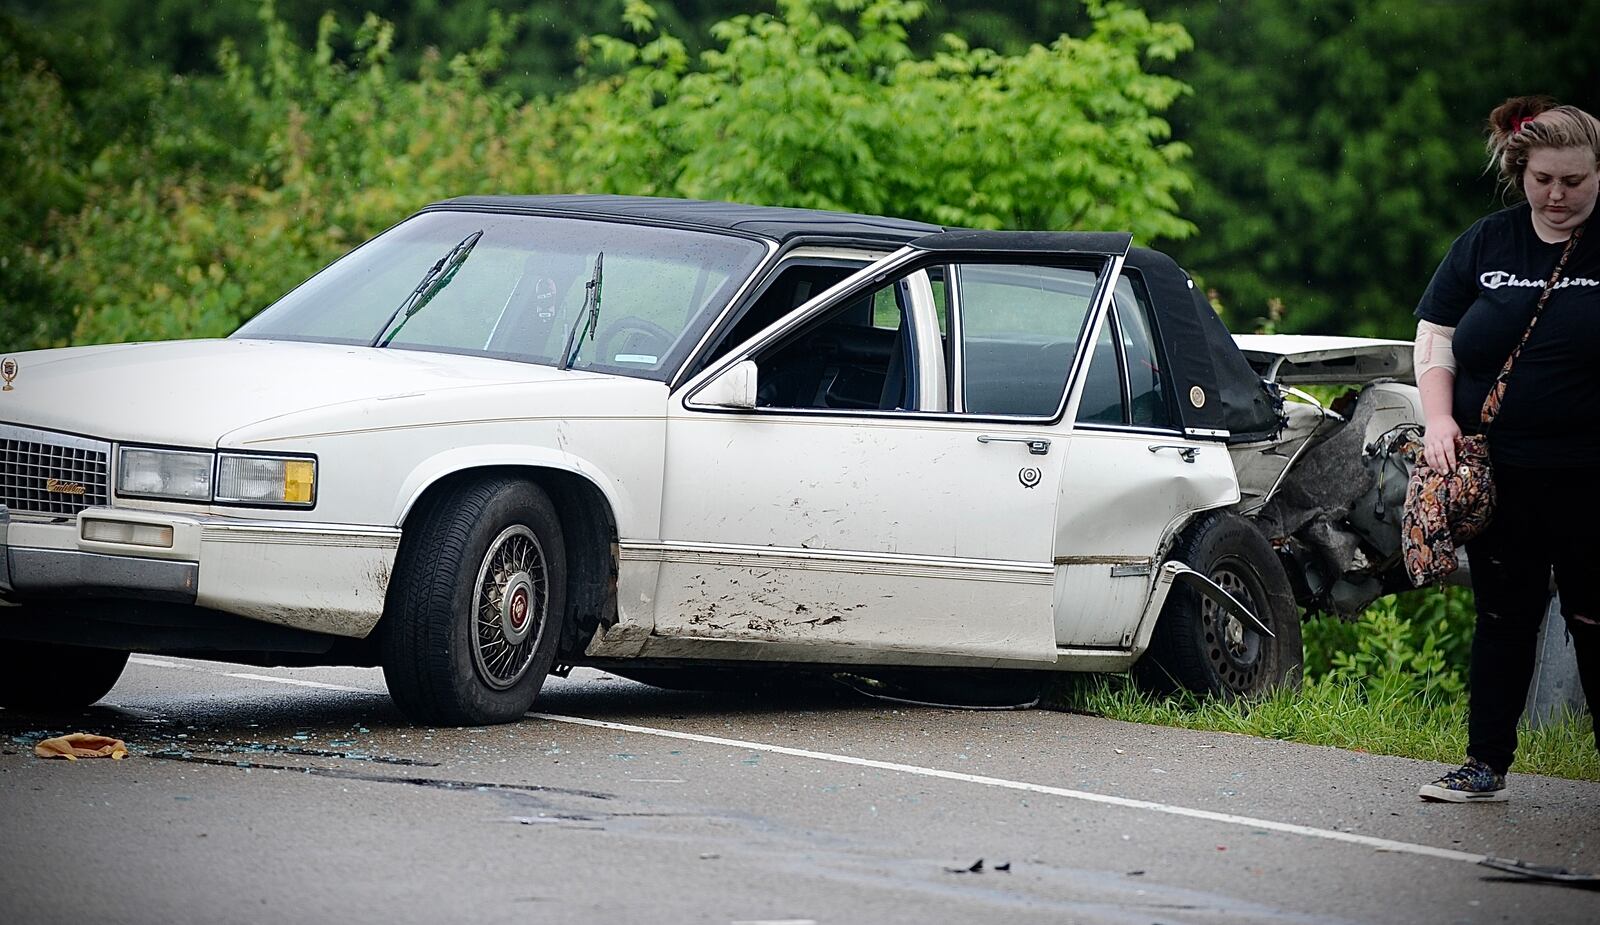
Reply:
x=895 y=487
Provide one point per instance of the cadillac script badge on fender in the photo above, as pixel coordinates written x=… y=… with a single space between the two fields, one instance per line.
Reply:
x=8 y=372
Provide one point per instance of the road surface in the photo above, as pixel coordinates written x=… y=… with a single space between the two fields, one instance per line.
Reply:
x=300 y=795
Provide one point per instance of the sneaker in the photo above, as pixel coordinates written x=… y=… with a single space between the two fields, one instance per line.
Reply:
x=1473 y=782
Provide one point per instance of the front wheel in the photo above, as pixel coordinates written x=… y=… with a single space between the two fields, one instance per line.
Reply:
x=1198 y=645
x=473 y=617
x=47 y=676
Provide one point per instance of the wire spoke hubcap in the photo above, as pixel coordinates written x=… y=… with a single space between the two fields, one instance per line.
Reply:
x=509 y=606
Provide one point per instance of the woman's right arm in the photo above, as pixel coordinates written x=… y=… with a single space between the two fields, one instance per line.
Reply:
x=1435 y=363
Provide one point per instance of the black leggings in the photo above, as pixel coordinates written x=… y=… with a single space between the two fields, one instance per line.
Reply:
x=1544 y=519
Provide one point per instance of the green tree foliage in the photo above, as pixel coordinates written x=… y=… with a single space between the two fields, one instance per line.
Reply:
x=222 y=191
x=61 y=104
x=825 y=105
x=1338 y=143
x=36 y=133
x=249 y=182
x=541 y=37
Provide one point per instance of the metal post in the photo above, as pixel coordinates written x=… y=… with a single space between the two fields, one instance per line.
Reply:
x=1555 y=684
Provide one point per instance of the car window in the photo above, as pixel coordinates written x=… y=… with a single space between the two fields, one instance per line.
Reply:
x=1147 y=386
x=1102 y=401
x=857 y=357
x=794 y=283
x=1020 y=327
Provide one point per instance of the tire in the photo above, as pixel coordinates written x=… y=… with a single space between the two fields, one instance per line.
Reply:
x=452 y=653
x=1197 y=646
x=46 y=676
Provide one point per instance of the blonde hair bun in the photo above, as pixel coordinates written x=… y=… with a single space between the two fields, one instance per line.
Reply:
x=1527 y=123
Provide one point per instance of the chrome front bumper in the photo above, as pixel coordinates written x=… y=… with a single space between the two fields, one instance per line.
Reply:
x=327 y=578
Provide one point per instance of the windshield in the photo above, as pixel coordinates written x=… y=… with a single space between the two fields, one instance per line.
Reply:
x=517 y=292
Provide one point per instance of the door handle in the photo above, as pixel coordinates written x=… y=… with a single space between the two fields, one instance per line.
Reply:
x=1036 y=445
x=1187 y=452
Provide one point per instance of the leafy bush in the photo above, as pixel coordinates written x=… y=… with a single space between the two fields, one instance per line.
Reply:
x=1436 y=620
x=253 y=180
x=1389 y=662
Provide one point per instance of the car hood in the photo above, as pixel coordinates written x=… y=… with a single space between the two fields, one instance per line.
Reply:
x=190 y=393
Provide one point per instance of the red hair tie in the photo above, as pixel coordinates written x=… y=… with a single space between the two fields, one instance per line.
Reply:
x=1518 y=124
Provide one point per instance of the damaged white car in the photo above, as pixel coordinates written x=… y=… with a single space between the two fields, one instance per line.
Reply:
x=515 y=434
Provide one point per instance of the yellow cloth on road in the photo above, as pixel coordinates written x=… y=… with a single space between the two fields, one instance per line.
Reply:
x=81 y=745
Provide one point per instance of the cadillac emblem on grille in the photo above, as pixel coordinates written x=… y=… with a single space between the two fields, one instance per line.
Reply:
x=8 y=372
x=44 y=472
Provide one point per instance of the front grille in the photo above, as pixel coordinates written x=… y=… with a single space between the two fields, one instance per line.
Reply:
x=40 y=471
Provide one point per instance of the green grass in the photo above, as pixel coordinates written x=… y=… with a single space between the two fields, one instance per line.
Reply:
x=1341 y=713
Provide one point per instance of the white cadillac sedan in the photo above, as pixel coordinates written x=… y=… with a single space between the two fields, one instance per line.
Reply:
x=515 y=434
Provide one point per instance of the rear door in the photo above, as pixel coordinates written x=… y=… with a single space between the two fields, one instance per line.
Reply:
x=1133 y=475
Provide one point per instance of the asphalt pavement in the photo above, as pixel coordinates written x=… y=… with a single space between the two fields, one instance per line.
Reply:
x=271 y=795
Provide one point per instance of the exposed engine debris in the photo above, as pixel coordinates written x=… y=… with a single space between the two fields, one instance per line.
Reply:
x=1337 y=513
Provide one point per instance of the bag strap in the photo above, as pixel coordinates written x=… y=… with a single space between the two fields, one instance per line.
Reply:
x=1497 y=392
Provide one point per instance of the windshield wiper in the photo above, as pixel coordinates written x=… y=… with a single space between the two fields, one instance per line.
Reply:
x=588 y=317
x=438 y=276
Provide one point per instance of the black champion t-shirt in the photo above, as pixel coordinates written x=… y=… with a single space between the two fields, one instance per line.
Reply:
x=1486 y=289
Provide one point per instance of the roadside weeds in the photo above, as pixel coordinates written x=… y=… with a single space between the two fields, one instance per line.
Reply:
x=1340 y=713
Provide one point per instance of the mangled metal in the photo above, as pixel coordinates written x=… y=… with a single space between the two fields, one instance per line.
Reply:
x=1333 y=511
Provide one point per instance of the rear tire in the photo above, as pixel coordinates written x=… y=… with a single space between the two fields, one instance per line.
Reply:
x=474 y=613
x=1200 y=647
x=46 y=676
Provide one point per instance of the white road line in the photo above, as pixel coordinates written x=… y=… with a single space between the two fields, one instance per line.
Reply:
x=298 y=682
x=1379 y=844
x=246 y=676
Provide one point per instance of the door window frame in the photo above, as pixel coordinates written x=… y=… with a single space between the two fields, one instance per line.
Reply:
x=1142 y=303
x=881 y=273
x=947 y=355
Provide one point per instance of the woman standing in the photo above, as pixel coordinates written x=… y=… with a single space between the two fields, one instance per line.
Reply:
x=1545 y=443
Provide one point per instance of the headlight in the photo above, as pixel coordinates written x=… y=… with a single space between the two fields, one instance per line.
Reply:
x=174 y=474
x=266 y=479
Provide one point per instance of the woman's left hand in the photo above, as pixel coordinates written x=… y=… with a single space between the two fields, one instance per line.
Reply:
x=1439 y=442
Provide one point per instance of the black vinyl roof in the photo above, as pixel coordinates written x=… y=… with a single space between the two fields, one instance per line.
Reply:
x=779 y=224
x=1217 y=390
x=1043 y=242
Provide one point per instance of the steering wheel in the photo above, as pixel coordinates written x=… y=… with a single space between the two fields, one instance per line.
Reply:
x=650 y=339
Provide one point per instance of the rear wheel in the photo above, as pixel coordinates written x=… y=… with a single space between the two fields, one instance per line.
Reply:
x=474 y=613
x=1198 y=645
x=46 y=676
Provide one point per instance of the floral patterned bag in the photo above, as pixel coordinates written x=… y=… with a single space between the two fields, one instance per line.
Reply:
x=1444 y=510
